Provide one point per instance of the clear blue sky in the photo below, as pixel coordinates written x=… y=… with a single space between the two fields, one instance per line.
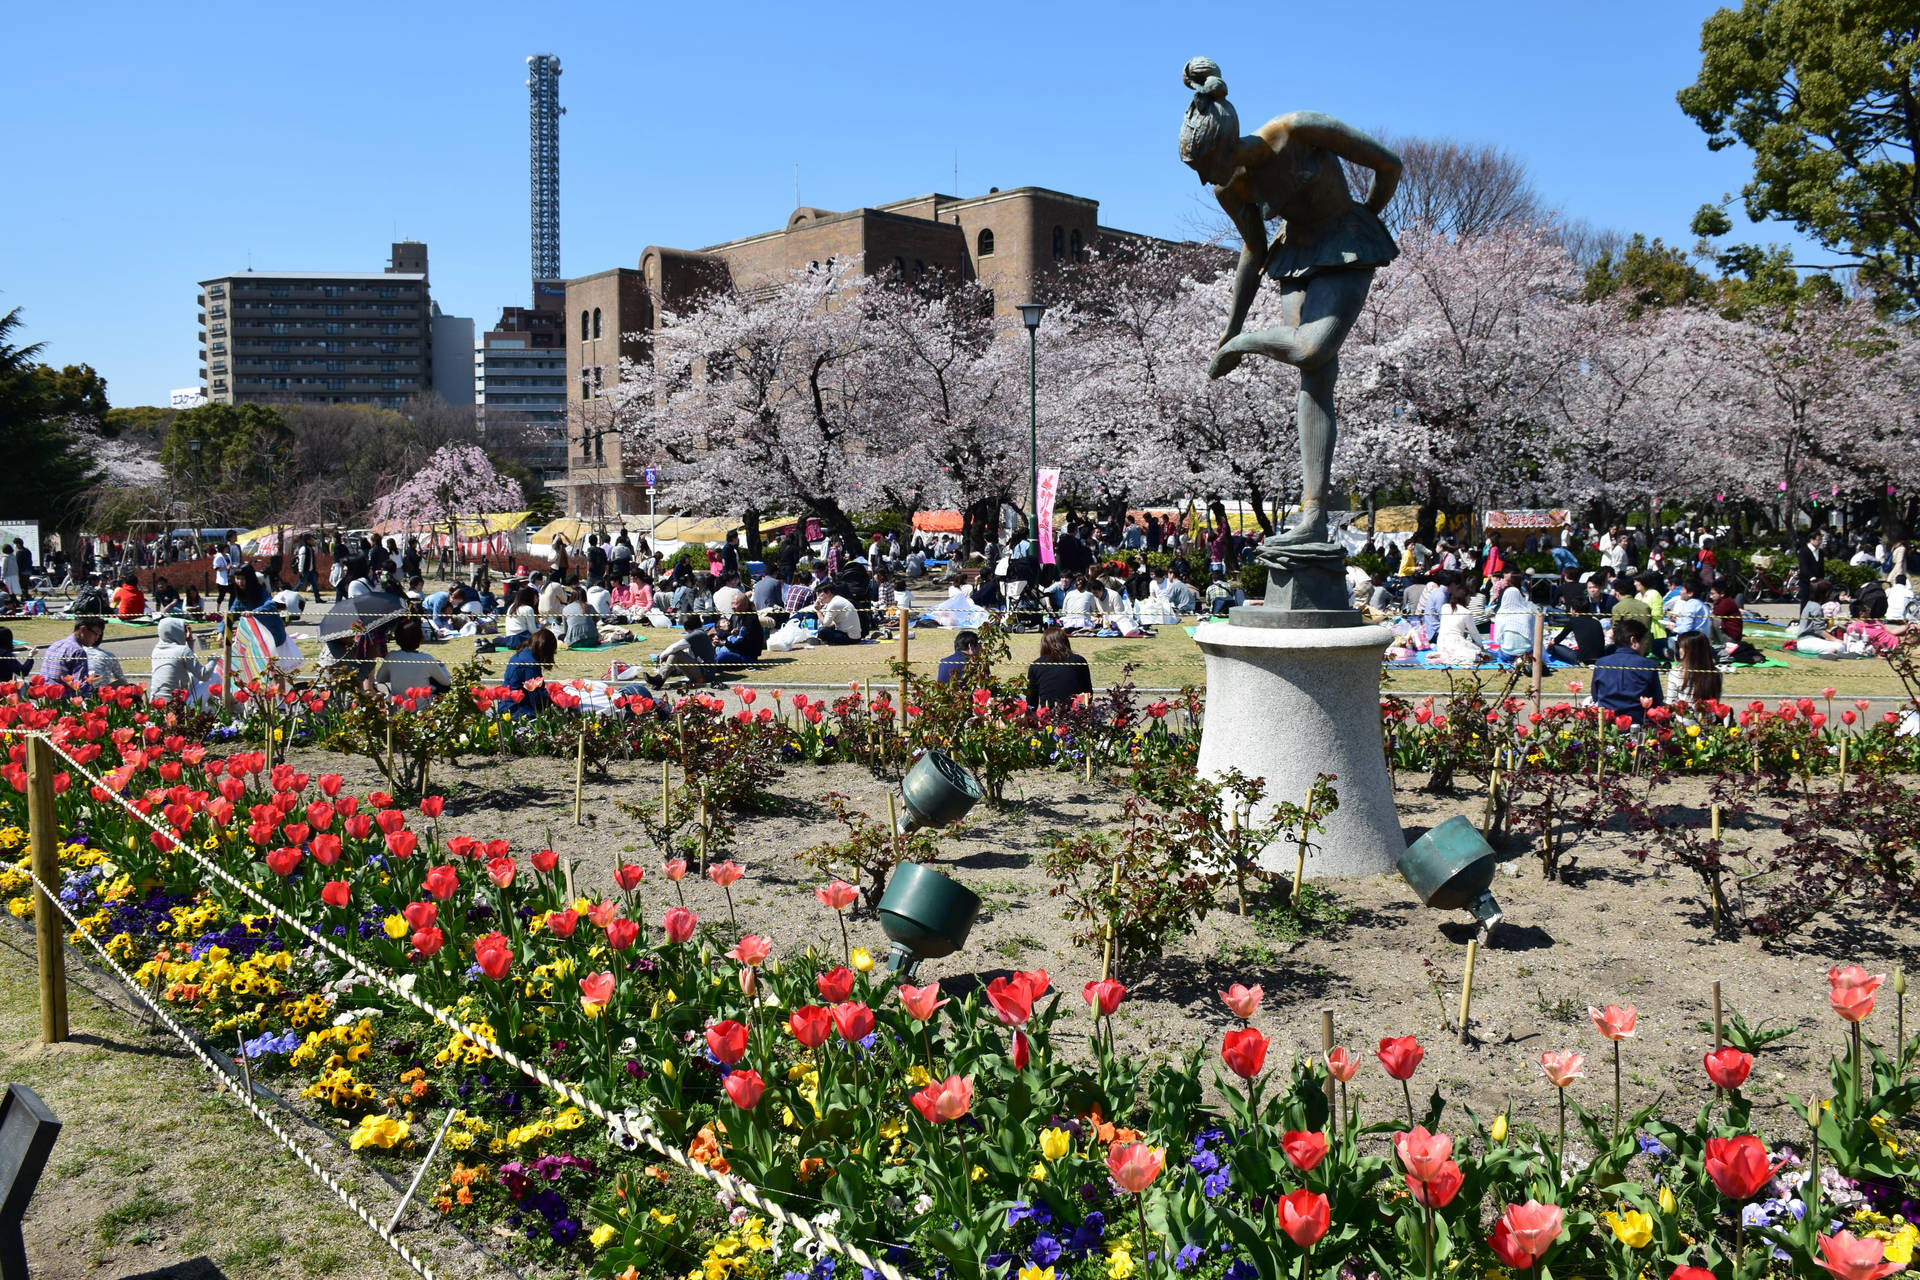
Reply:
x=155 y=145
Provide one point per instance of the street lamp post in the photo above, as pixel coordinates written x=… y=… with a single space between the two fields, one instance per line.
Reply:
x=1030 y=313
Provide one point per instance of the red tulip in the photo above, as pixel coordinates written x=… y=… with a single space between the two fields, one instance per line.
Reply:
x=1691 y=1273
x=744 y=1087
x=1851 y=991
x=1401 y=1056
x=1422 y=1153
x=727 y=1041
x=1438 y=1191
x=1134 y=1165
x=501 y=872
x=810 y=1025
x=853 y=1020
x=335 y=893
x=1304 y=1151
x=1728 y=1068
x=1341 y=1065
x=545 y=860
x=724 y=873
x=1562 y=1067
x=1244 y=1002
x=1245 y=1052
x=1021 y=1053
x=391 y=820
x=679 y=924
x=319 y=815
x=628 y=876
x=944 y=1100
x=1304 y=1216
x=596 y=990
x=1848 y=717
x=921 y=1003
x=432 y=806
x=428 y=941
x=1104 y=995
x=421 y=915
x=1847 y=1258
x=1011 y=999
x=1614 y=1022
x=1531 y=1229
x=493 y=955
x=1738 y=1166
x=283 y=862
x=837 y=896
x=401 y=844
x=325 y=850
x=563 y=923
x=622 y=933
x=835 y=984
x=752 y=950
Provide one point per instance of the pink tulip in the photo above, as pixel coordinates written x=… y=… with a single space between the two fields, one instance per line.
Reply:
x=1422 y=1154
x=921 y=1003
x=1615 y=1023
x=1533 y=1227
x=679 y=924
x=724 y=873
x=751 y=950
x=1341 y=1064
x=1244 y=1002
x=1134 y=1165
x=1851 y=993
x=944 y=1100
x=1562 y=1067
x=1847 y=1258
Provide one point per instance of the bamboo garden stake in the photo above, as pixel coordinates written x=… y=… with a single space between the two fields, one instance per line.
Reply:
x=1466 y=987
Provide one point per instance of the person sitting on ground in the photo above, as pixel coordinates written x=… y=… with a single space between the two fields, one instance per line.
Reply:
x=1810 y=632
x=408 y=668
x=739 y=637
x=1582 y=640
x=526 y=672
x=1728 y=625
x=166 y=597
x=1627 y=674
x=1867 y=633
x=1899 y=598
x=1694 y=676
x=128 y=602
x=1080 y=609
x=691 y=656
x=553 y=600
x=1180 y=595
x=600 y=598
x=523 y=617
x=839 y=620
x=581 y=630
x=1690 y=612
x=175 y=667
x=11 y=666
x=66 y=658
x=250 y=596
x=1058 y=675
x=966 y=647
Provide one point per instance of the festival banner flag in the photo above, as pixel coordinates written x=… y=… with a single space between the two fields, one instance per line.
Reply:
x=1049 y=484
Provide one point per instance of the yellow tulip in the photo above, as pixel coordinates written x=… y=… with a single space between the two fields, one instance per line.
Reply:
x=396 y=927
x=1634 y=1229
x=1499 y=1130
x=1668 y=1201
x=1036 y=1273
x=863 y=961
x=1055 y=1143
x=603 y=1235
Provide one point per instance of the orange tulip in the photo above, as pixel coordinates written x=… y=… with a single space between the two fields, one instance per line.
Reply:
x=1421 y=1153
x=1533 y=1227
x=751 y=950
x=837 y=896
x=921 y=1003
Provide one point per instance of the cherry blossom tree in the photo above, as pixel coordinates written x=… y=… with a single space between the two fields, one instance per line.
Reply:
x=456 y=480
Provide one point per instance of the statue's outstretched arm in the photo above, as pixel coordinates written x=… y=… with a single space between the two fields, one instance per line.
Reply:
x=1349 y=143
x=1253 y=256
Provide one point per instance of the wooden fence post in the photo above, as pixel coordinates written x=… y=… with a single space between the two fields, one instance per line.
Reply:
x=44 y=836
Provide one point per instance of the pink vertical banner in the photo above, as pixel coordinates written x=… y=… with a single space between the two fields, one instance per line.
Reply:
x=1049 y=484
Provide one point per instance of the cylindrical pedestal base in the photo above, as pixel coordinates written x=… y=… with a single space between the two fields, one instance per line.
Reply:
x=1287 y=703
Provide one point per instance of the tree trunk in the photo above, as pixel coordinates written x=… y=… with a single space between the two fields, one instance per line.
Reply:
x=1257 y=497
x=755 y=551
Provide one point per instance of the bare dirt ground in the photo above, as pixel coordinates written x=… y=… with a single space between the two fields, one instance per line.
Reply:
x=1613 y=931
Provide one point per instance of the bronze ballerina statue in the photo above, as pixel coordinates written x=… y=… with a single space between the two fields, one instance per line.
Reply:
x=1323 y=257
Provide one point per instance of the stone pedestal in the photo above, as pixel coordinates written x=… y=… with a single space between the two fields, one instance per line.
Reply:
x=1287 y=702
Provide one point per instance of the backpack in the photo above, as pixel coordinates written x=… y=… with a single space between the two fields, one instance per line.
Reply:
x=92 y=601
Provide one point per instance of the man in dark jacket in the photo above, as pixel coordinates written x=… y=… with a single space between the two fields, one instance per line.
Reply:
x=1627 y=674
x=1809 y=566
x=966 y=647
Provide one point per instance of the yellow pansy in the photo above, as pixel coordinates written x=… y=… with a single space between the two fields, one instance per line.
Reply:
x=378 y=1130
x=1119 y=1264
x=1634 y=1229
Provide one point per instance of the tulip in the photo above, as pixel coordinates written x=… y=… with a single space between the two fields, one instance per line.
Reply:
x=336 y=893
x=596 y=991
x=1104 y=996
x=835 y=985
x=751 y=950
x=325 y=850
x=1438 y=1191
x=744 y=1088
x=810 y=1025
x=724 y=874
x=1304 y=1151
x=1738 y=1166
x=1616 y=1024
x=501 y=871
x=493 y=955
x=837 y=896
x=1691 y=1273
x=421 y=915
x=1633 y=1229
x=679 y=924
x=1244 y=1002
x=1530 y=1231
x=921 y=1003
x=1728 y=1068
x=1304 y=1216
x=944 y=1100
x=1422 y=1153
x=1054 y=1143
x=727 y=1041
x=1021 y=1052
x=545 y=860
x=401 y=844
x=1401 y=1058
x=428 y=941
x=443 y=882
x=622 y=933
x=628 y=876
x=1847 y=1258
x=1562 y=1067
x=1245 y=1052
x=283 y=862
x=853 y=1020
x=1012 y=999
x=562 y=923
x=1134 y=1165
x=1341 y=1064
x=1852 y=990
x=674 y=869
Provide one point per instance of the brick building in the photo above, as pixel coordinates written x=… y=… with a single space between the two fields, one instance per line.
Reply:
x=1007 y=240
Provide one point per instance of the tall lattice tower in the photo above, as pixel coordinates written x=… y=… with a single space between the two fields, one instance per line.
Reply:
x=543 y=153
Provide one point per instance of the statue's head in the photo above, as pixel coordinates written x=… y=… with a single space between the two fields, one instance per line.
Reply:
x=1210 y=134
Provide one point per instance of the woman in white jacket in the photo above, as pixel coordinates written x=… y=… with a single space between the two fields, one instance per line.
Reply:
x=176 y=667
